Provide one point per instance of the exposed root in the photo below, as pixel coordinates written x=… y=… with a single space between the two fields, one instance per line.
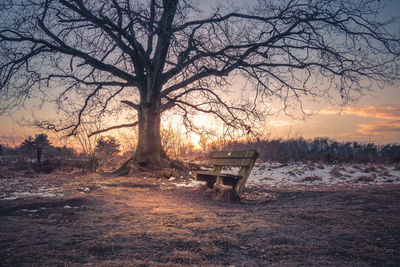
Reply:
x=164 y=169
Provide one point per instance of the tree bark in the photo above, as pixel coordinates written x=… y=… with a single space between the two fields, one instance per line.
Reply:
x=149 y=148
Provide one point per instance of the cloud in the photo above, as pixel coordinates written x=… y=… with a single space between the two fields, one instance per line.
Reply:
x=279 y=123
x=388 y=125
x=388 y=112
x=11 y=140
x=384 y=128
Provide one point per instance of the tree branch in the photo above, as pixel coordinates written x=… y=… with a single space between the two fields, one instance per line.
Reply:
x=114 y=127
x=131 y=104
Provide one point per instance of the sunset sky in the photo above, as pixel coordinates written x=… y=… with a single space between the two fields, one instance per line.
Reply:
x=374 y=118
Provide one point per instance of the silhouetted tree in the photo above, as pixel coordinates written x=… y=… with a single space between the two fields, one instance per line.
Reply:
x=154 y=56
x=107 y=146
x=42 y=140
x=35 y=146
x=28 y=146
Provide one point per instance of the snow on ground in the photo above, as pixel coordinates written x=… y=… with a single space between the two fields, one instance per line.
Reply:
x=294 y=174
x=45 y=192
x=298 y=173
x=19 y=187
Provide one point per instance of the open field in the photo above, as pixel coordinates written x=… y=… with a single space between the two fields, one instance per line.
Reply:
x=73 y=218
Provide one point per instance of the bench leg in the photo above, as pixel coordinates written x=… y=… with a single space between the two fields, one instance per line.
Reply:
x=235 y=195
x=238 y=187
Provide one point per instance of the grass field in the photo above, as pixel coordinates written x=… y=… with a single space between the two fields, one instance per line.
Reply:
x=99 y=220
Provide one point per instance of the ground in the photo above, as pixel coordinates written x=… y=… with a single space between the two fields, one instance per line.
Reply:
x=76 y=218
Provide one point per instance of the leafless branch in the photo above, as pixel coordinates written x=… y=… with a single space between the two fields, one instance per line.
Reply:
x=128 y=125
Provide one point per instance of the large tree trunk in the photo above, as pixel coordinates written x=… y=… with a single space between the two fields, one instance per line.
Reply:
x=149 y=148
x=150 y=154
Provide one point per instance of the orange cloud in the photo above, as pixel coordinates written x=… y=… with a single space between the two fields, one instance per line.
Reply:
x=388 y=112
x=387 y=127
x=380 y=128
x=11 y=140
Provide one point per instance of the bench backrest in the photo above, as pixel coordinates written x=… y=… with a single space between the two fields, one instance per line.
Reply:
x=243 y=159
x=234 y=158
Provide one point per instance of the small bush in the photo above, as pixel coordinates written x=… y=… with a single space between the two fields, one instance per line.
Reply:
x=335 y=172
x=365 y=178
x=370 y=168
x=221 y=192
x=311 y=179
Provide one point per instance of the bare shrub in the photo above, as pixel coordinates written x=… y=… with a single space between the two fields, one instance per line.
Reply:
x=335 y=172
x=311 y=179
x=221 y=192
x=204 y=188
x=385 y=173
x=183 y=256
x=356 y=166
x=93 y=163
x=365 y=178
x=226 y=194
x=370 y=168
x=320 y=165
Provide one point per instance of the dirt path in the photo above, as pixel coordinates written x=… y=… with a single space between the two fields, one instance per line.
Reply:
x=103 y=221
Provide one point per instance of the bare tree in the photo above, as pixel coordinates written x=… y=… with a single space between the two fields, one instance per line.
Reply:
x=152 y=56
x=171 y=140
x=128 y=139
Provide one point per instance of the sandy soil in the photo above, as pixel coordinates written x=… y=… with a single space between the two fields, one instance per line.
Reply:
x=99 y=220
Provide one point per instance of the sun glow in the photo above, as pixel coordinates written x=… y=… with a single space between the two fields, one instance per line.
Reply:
x=195 y=141
x=203 y=123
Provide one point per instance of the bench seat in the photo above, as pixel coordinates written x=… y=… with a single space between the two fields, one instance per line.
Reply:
x=243 y=159
x=211 y=177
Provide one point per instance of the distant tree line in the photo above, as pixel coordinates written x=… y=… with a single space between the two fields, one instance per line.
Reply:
x=106 y=146
x=318 y=149
x=29 y=147
x=39 y=149
x=107 y=149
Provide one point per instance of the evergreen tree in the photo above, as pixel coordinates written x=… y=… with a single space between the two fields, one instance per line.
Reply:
x=107 y=146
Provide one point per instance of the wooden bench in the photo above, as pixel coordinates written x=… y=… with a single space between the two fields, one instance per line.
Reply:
x=243 y=159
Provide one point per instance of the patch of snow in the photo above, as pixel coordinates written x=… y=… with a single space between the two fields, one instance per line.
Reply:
x=19 y=195
x=31 y=211
x=297 y=173
x=189 y=183
x=313 y=174
x=18 y=187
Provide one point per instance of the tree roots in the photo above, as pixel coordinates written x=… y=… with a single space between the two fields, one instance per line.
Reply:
x=165 y=168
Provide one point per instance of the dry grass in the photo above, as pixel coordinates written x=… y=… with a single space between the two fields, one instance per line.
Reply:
x=384 y=173
x=370 y=168
x=336 y=171
x=311 y=179
x=365 y=178
x=128 y=221
x=320 y=165
x=221 y=193
x=397 y=167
